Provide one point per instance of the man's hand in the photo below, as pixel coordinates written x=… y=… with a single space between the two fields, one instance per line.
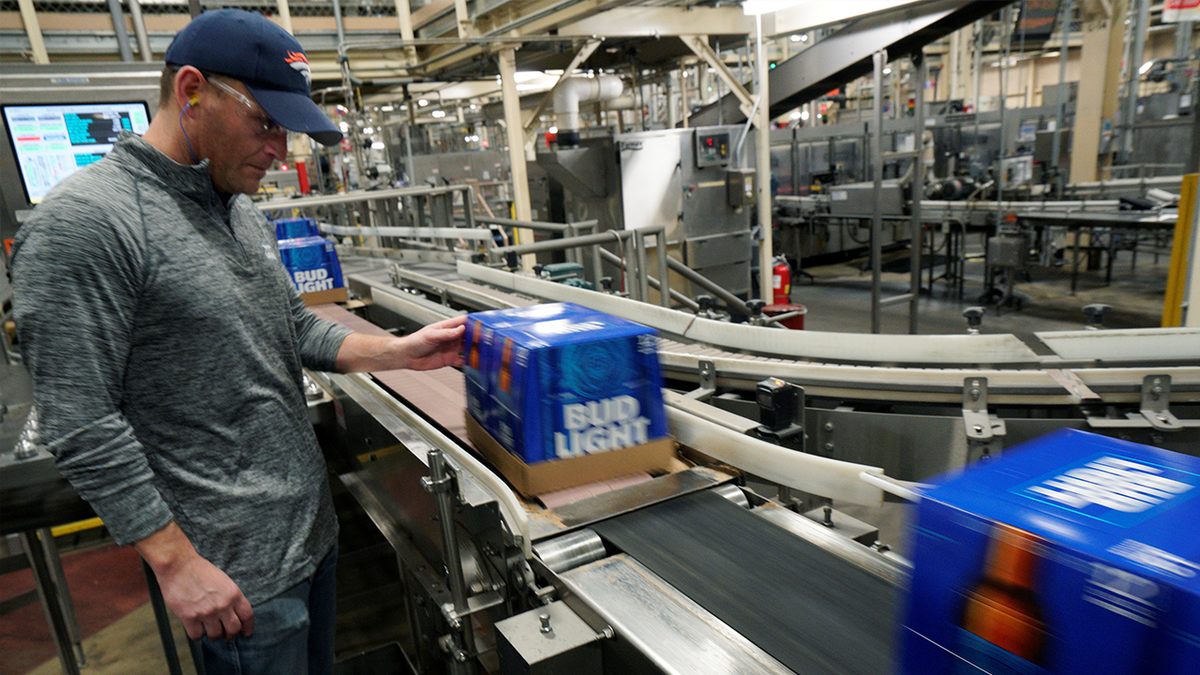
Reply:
x=434 y=346
x=437 y=345
x=204 y=598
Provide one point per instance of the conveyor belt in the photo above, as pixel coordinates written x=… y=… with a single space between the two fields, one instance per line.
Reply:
x=798 y=602
x=438 y=394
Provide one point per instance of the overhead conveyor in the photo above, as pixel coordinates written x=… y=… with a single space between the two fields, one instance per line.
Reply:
x=846 y=54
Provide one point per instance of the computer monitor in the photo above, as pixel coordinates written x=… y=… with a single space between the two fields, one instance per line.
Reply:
x=53 y=141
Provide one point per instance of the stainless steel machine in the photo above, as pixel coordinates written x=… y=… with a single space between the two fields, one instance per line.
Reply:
x=691 y=182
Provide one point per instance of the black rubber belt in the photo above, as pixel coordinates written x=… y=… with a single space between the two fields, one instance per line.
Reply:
x=812 y=611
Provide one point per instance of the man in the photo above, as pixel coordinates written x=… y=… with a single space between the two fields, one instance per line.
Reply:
x=167 y=343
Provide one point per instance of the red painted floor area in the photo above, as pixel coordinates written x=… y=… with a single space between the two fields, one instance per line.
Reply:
x=105 y=582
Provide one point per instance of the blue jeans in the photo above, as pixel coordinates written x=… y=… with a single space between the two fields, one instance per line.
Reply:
x=293 y=633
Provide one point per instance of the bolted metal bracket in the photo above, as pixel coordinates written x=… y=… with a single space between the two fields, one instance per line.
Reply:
x=1154 y=411
x=983 y=430
x=708 y=382
x=443 y=484
x=1156 y=402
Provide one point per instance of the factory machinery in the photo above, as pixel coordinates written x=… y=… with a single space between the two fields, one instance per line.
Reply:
x=766 y=546
x=743 y=556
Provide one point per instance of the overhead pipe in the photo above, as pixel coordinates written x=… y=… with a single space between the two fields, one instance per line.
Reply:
x=118 y=19
x=139 y=30
x=571 y=93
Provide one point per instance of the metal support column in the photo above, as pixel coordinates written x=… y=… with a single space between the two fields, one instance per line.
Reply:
x=440 y=483
x=664 y=289
x=878 y=59
x=122 y=35
x=918 y=189
x=1100 y=60
x=1141 y=20
x=285 y=15
x=1064 y=27
x=763 y=149
x=33 y=30
x=516 y=148
x=51 y=596
x=162 y=620
x=341 y=31
x=139 y=29
x=404 y=16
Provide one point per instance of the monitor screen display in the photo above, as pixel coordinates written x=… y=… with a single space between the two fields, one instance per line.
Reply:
x=52 y=142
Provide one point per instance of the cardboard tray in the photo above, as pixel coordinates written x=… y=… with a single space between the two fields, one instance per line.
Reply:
x=325 y=297
x=535 y=479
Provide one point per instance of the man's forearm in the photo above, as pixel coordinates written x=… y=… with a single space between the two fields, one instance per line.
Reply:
x=434 y=346
x=363 y=353
x=166 y=549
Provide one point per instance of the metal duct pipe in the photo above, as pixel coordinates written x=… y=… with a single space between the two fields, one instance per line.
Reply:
x=122 y=35
x=139 y=30
x=341 y=28
x=574 y=90
x=622 y=102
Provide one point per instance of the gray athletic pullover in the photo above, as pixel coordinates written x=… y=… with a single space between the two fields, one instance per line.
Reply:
x=166 y=345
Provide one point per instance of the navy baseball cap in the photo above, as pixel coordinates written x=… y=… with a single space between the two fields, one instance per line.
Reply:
x=270 y=62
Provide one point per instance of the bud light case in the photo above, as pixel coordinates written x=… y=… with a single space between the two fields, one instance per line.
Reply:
x=295 y=228
x=567 y=381
x=1071 y=554
x=478 y=342
x=312 y=263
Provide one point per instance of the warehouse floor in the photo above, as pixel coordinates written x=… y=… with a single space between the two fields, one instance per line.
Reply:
x=109 y=590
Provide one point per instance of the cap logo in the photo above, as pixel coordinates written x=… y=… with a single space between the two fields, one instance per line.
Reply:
x=299 y=62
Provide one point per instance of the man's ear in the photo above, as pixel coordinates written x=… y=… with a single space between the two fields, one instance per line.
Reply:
x=188 y=82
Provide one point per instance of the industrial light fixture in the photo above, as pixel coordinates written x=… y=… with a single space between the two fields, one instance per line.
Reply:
x=422 y=103
x=803 y=115
x=553 y=130
x=752 y=7
x=387 y=108
x=439 y=113
x=794 y=38
x=887 y=71
x=377 y=145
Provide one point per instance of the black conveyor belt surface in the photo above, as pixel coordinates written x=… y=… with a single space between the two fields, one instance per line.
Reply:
x=812 y=611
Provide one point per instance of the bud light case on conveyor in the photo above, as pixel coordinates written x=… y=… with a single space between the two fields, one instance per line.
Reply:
x=312 y=264
x=478 y=341
x=569 y=383
x=1071 y=554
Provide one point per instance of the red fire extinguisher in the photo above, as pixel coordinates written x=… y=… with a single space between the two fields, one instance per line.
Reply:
x=781 y=280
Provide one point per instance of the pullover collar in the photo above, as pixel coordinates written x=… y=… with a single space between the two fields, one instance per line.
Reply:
x=191 y=181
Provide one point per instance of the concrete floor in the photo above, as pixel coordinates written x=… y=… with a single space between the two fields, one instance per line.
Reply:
x=838 y=300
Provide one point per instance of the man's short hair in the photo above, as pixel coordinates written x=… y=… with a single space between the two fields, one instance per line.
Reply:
x=166 y=87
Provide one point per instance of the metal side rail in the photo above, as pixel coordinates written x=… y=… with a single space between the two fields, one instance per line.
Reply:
x=1166 y=346
x=478 y=484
